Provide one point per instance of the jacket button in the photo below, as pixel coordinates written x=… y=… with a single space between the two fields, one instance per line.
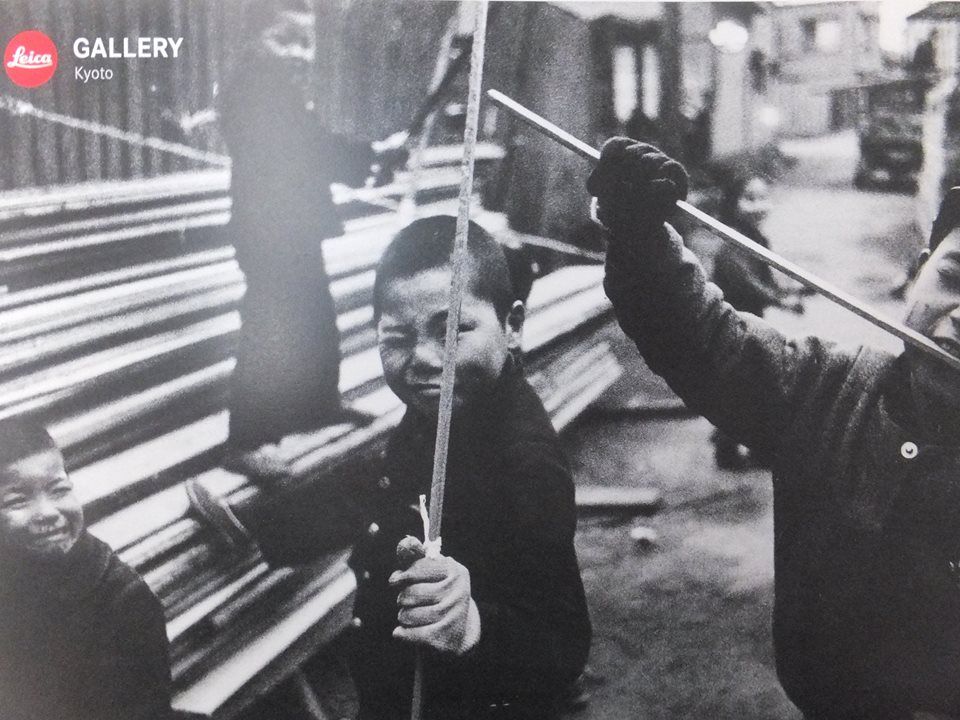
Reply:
x=373 y=529
x=356 y=623
x=384 y=483
x=909 y=450
x=365 y=575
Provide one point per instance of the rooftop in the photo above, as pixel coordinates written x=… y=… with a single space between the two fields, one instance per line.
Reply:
x=941 y=10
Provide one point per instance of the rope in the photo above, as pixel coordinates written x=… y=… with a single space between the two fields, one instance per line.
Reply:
x=18 y=107
x=458 y=261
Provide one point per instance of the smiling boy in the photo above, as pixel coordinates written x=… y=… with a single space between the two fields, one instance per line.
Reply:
x=865 y=451
x=501 y=615
x=81 y=635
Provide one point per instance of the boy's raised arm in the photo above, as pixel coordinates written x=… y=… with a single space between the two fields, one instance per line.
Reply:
x=732 y=367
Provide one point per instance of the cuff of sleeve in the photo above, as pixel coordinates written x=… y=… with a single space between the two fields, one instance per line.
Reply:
x=471 y=634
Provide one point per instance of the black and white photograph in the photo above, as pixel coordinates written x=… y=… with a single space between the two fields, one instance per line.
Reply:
x=479 y=360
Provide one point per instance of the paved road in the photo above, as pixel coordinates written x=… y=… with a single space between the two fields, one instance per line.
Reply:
x=683 y=630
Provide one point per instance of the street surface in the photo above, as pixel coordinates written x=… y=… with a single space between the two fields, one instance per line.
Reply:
x=682 y=629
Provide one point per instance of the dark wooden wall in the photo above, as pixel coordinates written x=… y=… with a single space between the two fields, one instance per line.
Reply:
x=145 y=96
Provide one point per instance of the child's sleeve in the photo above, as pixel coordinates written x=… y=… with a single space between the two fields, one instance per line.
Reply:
x=346 y=159
x=748 y=278
x=739 y=372
x=140 y=688
x=535 y=629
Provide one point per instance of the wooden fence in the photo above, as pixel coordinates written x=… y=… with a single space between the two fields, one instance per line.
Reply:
x=45 y=133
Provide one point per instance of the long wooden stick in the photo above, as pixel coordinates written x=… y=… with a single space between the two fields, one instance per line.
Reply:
x=828 y=290
x=458 y=281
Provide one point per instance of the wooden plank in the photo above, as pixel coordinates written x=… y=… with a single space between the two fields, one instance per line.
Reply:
x=603 y=378
x=67 y=102
x=112 y=100
x=132 y=84
x=46 y=386
x=199 y=611
x=110 y=193
x=47 y=150
x=129 y=274
x=93 y=307
x=23 y=140
x=616 y=499
x=212 y=216
x=227 y=679
x=138 y=464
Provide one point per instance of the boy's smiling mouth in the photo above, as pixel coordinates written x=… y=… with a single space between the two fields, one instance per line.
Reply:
x=51 y=537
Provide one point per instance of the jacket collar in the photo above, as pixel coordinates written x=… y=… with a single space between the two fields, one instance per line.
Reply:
x=76 y=575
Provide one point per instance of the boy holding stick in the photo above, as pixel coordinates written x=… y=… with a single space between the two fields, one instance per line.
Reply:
x=500 y=617
x=865 y=451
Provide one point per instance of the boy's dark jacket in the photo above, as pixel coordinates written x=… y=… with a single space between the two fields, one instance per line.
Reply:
x=747 y=282
x=866 y=502
x=509 y=517
x=82 y=639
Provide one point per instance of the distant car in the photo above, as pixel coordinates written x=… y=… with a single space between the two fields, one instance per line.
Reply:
x=890 y=132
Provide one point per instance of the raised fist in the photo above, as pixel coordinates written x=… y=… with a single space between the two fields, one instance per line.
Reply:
x=636 y=186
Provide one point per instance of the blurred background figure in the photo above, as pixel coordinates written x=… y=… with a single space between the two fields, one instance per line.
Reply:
x=284 y=160
x=747 y=283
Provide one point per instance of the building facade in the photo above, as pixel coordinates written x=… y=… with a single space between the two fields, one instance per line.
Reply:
x=822 y=51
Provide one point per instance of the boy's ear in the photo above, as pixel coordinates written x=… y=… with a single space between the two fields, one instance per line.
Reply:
x=514 y=324
x=921 y=260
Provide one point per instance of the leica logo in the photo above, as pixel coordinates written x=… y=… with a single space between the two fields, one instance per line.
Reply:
x=30 y=59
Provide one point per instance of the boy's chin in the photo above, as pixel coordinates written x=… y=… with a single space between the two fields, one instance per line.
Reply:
x=429 y=406
x=52 y=548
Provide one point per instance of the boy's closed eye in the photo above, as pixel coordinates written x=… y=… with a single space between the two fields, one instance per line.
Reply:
x=60 y=488
x=14 y=501
x=949 y=268
x=394 y=333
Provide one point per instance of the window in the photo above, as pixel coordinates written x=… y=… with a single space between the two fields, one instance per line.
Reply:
x=651 y=82
x=821 y=36
x=625 y=90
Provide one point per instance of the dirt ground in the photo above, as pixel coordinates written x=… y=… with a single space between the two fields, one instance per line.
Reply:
x=682 y=629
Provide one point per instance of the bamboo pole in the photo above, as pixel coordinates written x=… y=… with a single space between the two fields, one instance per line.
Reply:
x=743 y=243
x=458 y=282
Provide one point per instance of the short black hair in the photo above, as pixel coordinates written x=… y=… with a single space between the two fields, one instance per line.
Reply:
x=948 y=217
x=427 y=243
x=20 y=438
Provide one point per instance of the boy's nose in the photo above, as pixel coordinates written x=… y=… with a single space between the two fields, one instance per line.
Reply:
x=45 y=513
x=427 y=355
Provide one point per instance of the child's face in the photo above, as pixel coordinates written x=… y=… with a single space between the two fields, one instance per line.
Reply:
x=754 y=202
x=933 y=309
x=39 y=512
x=411 y=338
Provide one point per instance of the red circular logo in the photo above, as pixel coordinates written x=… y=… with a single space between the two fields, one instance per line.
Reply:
x=30 y=59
